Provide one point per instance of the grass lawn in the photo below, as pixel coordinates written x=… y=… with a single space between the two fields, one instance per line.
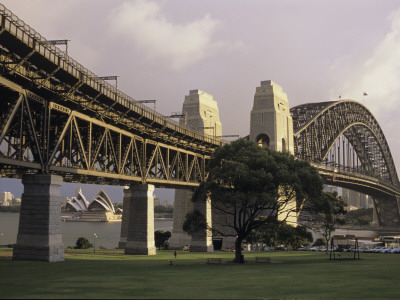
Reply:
x=289 y=275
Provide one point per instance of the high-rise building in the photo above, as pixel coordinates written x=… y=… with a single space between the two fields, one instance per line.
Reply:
x=6 y=198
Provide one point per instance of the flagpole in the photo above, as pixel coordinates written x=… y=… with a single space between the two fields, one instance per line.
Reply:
x=364 y=94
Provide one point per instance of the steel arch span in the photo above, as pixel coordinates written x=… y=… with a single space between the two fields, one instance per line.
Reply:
x=344 y=140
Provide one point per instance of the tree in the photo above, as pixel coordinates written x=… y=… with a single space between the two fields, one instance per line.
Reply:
x=331 y=209
x=360 y=217
x=83 y=243
x=246 y=182
x=161 y=239
x=274 y=233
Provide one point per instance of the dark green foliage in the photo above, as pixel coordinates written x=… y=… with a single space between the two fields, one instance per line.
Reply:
x=83 y=243
x=246 y=182
x=161 y=239
x=195 y=222
x=274 y=233
x=163 y=211
x=360 y=217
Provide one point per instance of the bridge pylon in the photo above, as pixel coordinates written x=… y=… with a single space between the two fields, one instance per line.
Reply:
x=202 y=114
x=271 y=124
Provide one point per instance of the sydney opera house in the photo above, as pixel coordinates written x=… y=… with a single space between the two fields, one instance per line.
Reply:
x=100 y=209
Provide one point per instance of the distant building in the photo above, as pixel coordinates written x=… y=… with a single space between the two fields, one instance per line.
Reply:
x=356 y=200
x=157 y=201
x=331 y=189
x=16 y=202
x=100 y=209
x=78 y=203
x=166 y=203
x=6 y=198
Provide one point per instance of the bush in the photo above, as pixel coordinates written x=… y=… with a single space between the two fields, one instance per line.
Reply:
x=83 y=243
x=161 y=239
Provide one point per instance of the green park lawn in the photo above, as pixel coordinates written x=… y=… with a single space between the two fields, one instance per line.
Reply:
x=289 y=275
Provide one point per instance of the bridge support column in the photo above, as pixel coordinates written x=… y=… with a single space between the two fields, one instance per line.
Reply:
x=202 y=242
x=127 y=192
x=140 y=226
x=39 y=232
x=182 y=205
x=388 y=213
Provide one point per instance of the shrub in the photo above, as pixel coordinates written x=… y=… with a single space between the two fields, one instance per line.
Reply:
x=83 y=243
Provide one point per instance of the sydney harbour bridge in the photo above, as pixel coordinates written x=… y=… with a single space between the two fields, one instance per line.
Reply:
x=60 y=122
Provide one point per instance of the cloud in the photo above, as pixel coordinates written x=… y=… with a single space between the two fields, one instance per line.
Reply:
x=148 y=30
x=377 y=73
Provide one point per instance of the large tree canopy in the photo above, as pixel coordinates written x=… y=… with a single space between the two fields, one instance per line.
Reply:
x=246 y=182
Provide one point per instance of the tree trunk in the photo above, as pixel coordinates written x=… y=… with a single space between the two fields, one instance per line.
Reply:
x=238 y=250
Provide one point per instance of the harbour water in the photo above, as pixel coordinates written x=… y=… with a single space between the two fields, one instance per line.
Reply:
x=107 y=233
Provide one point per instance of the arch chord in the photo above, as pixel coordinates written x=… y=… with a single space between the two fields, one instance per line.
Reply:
x=317 y=127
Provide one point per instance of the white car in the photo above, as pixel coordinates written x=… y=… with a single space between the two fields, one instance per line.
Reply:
x=376 y=249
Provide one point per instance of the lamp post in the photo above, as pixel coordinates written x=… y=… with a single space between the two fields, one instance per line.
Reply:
x=94 y=242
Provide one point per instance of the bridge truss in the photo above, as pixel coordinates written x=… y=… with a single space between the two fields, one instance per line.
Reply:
x=57 y=117
x=345 y=142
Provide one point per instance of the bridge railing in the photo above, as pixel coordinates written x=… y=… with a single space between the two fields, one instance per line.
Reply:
x=360 y=175
x=38 y=43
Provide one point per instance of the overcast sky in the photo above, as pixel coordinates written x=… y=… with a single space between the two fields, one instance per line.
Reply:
x=316 y=50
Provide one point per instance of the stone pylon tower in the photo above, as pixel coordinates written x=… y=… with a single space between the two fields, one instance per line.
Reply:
x=202 y=113
x=271 y=124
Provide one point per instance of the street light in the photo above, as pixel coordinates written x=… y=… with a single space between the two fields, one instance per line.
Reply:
x=94 y=242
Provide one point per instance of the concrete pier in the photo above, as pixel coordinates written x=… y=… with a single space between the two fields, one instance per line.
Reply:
x=202 y=242
x=39 y=232
x=125 y=217
x=140 y=227
x=182 y=205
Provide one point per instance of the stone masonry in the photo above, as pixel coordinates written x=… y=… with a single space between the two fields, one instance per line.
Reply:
x=202 y=114
x=125 y=217
x=39 y=232
x=140 y=233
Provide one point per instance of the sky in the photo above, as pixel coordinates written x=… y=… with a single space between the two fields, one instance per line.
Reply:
x=316 y=50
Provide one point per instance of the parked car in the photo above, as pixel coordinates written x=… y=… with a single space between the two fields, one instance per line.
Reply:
x=363 y=249
x=280 y=248
x=343 y=248
x=385 y=250
x=376 y=249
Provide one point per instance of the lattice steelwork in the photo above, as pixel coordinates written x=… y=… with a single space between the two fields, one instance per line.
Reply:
x=58 y=117
x=46 y=137
x=344 y=134
x=345 y=142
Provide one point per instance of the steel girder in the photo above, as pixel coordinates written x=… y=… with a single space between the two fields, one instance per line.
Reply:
x=317 y=126
x=41 y=136
x=29 y=60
